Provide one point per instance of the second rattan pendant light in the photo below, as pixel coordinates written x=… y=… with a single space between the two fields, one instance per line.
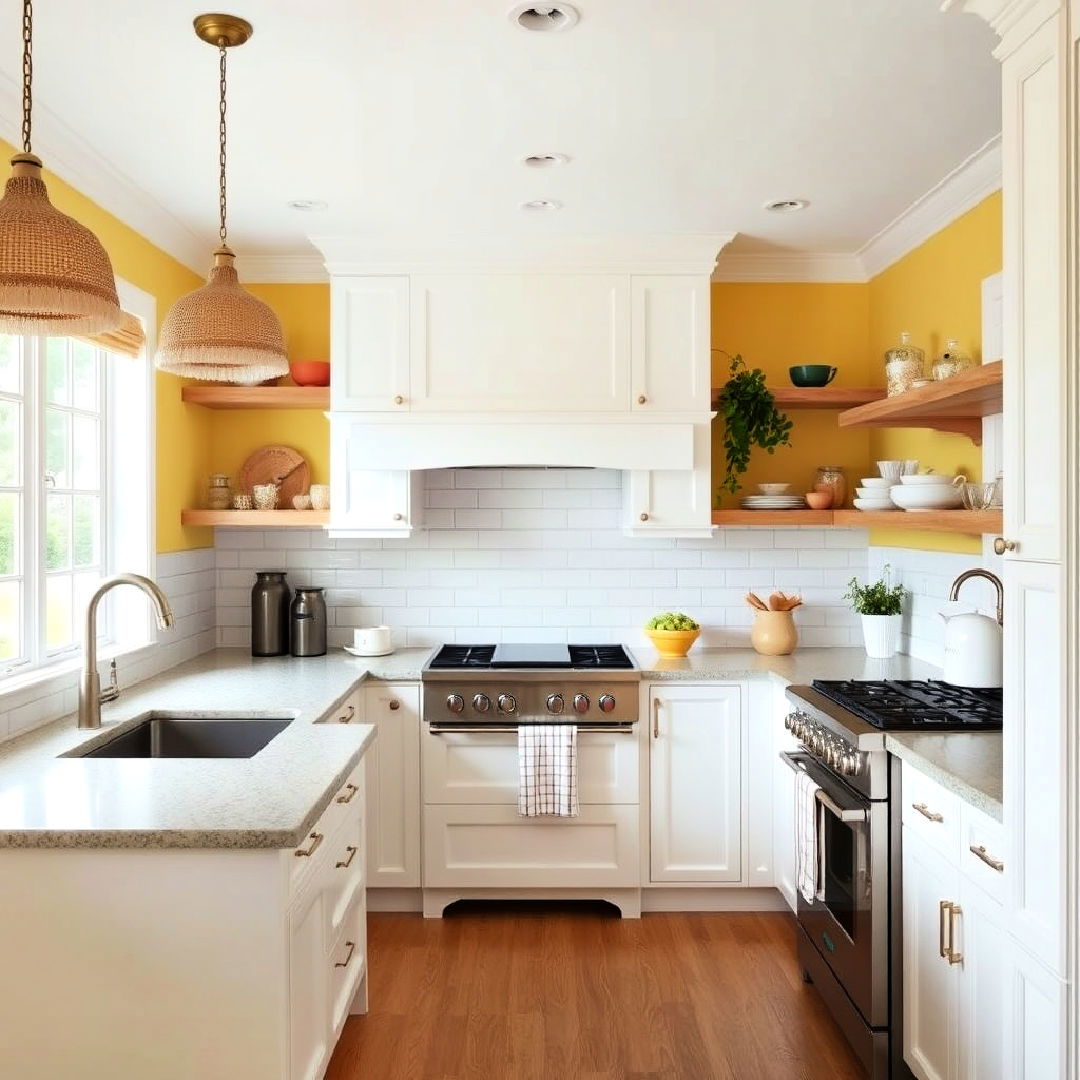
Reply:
x=221 y=332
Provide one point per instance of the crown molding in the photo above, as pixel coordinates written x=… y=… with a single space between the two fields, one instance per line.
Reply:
x=965 y=187
x=70 y=157
x=1011 y=20
x=790 y=267
x=282 y=269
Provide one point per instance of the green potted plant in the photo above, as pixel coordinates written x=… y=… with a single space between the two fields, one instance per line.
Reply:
x=880 y=606
x=751 y=419
x=672 y=633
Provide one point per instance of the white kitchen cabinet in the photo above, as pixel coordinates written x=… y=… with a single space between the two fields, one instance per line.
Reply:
x=393 y=785
x=670 y=369
x=369 y=330
x=696 y=796
x=979 y=936
x=1035 y=1019
x=309 y=989
x=520 y=343
x=672 y=502
x=783 y=802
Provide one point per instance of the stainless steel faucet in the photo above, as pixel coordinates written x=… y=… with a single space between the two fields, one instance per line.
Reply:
x=954 y=592
x=90 y=695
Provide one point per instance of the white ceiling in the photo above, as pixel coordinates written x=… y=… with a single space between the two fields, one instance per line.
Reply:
x=411 y=117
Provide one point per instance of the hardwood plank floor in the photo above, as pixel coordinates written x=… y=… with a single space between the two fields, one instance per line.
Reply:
x=520 y=992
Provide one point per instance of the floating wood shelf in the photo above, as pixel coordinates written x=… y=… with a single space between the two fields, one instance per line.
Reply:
x=257 y=397
x=817 y=397
x=969 y=522
x=772 y=517
x=257 y=519
x=957 y=405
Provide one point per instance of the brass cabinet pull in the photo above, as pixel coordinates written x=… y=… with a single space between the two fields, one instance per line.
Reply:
x=943 y=911
x=344 y=864
x=351 y=945
x=352 y=789
x=954 y=956
x=980 y=852
x=656 y=718
x=930 y=815
x=345 y=717
x=399 y=399
x=316 y=839
x=644 y=516
x=1001 y=545
x=641 y=399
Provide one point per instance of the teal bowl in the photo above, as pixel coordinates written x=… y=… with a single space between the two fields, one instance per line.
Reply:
x=812 y=374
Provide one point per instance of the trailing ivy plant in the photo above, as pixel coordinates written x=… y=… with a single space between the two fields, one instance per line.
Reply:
x=877 y=598
x=751 y=419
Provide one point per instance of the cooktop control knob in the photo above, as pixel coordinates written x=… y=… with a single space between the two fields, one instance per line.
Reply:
x=581 y=703
x=606 y=702
x=455 y=703
x=481 y=703
x=555 y=703
x=507 y=703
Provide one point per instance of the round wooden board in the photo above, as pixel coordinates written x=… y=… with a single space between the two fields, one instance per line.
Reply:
x=268 y=463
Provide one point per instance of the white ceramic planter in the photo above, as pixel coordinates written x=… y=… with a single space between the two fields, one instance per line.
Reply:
x=881 y=634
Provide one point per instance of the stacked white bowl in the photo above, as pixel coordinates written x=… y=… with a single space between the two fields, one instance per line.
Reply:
x=873 y=494
x=928 y=491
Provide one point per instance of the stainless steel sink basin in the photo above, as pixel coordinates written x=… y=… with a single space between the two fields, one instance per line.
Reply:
x=180 y=737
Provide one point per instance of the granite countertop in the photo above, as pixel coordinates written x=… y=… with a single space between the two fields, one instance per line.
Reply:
x=969 y=765
x=267 y=801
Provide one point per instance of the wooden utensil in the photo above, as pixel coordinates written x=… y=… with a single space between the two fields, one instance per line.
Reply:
x=756 y=602
x=279 y=465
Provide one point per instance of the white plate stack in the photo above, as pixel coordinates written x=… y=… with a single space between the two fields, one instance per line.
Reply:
x=773 y=502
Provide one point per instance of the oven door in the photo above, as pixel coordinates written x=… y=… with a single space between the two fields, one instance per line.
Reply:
x=847 y=921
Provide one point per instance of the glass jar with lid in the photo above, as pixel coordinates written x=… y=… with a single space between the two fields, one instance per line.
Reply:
x=951 y=362
x=904 y=363
x=831 y=479
x=218 y=493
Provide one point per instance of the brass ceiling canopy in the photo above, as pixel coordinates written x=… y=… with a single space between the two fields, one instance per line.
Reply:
x=55 y=277
x=221 y=332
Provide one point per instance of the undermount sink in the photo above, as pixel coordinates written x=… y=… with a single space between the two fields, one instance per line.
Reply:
x=181 y=737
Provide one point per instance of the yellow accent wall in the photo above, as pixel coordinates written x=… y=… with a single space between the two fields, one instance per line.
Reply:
x=182 y=433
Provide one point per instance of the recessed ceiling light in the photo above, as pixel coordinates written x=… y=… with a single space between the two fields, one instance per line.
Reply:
x=545 y=161
x=309 y=205
x=538 y=205
x=544 y=17
x=786 y=206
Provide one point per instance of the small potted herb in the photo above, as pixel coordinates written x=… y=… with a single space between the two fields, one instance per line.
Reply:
x=672 y=633
x=881 y=607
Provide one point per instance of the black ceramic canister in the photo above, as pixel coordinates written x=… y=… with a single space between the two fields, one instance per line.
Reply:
x=270 y=597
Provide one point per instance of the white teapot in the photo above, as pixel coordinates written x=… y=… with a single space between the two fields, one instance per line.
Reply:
x=973 y=652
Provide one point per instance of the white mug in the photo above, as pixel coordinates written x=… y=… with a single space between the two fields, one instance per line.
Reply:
x=320 y=496
x=372 y=640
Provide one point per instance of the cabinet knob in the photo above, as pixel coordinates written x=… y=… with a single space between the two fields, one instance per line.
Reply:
x=399 y=517
x=394 y=705
x=644 y=517
x=641 y=399
x=1001 y=545
x=398 y=399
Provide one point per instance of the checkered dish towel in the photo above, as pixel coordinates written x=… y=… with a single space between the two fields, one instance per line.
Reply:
x=547 y=770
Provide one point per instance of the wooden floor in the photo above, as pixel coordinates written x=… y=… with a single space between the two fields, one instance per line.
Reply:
x=574 y=993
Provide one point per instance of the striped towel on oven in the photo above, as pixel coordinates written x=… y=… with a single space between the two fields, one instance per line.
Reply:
x=807 y=855
x=547 y=770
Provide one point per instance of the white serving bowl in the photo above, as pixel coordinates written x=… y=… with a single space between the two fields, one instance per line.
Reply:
x=932 y=479
x=774 y=489
x=875 y=482
x=873 y=494
x=926 y=496
x=873 y=504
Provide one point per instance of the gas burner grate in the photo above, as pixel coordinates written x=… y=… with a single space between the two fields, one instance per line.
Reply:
x=916 y=705
x=599 y=656
x=463 y=656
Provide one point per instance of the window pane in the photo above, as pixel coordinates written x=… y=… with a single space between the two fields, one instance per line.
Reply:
x=58 y=621
x=84 y=365
x=57 y=532
x=87 y=519
x=57 y=378
x=10 y=363
x=85 y=453
x=9 y=443
x=9 y=533
x=10 y=616
x=57 y=446
x=85 y=584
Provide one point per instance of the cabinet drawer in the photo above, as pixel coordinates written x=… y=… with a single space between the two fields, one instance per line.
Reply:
x=931 y=812
x=344 y=873
x=982 y=851
x=348 y=963
x=350 y=711
x=312 y=854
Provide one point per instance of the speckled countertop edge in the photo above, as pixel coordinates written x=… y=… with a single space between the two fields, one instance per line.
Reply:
x=969 y=765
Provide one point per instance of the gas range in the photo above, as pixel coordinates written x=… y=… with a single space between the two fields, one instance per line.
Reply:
x=481 y=686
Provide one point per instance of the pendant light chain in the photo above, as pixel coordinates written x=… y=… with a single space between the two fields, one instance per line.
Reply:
x=27 y=71
x=222 y=53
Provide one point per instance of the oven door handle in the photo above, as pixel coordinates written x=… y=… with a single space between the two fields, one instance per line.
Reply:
x=827 y=801
x=512 y=729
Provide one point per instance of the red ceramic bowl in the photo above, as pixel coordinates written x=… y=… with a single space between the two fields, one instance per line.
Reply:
x=310 y=372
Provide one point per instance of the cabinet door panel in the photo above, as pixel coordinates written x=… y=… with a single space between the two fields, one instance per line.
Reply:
x=696 y=797
x=393 y=786
x=370 y=343
x=309 y=987
x=980 y=937
x=520 y=343
x=670 y=344
x=672 y=502
x=1035 y=1023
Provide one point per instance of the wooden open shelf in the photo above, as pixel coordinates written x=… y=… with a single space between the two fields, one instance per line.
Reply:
x=818 y=397
x=966 y=522
x=772 y=517
x=257 y=519
x=257 y=397
x=957 y=404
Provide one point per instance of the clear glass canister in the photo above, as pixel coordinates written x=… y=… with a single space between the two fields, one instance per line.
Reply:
x=903 y=365
x=831 y=478
x=218 y=493
x=951 y=362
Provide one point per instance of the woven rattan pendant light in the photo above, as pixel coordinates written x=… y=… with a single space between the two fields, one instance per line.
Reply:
x=55 y=277
x=221 y=332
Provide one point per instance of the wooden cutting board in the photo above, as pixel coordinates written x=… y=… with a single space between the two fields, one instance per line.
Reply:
x=269 y=464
